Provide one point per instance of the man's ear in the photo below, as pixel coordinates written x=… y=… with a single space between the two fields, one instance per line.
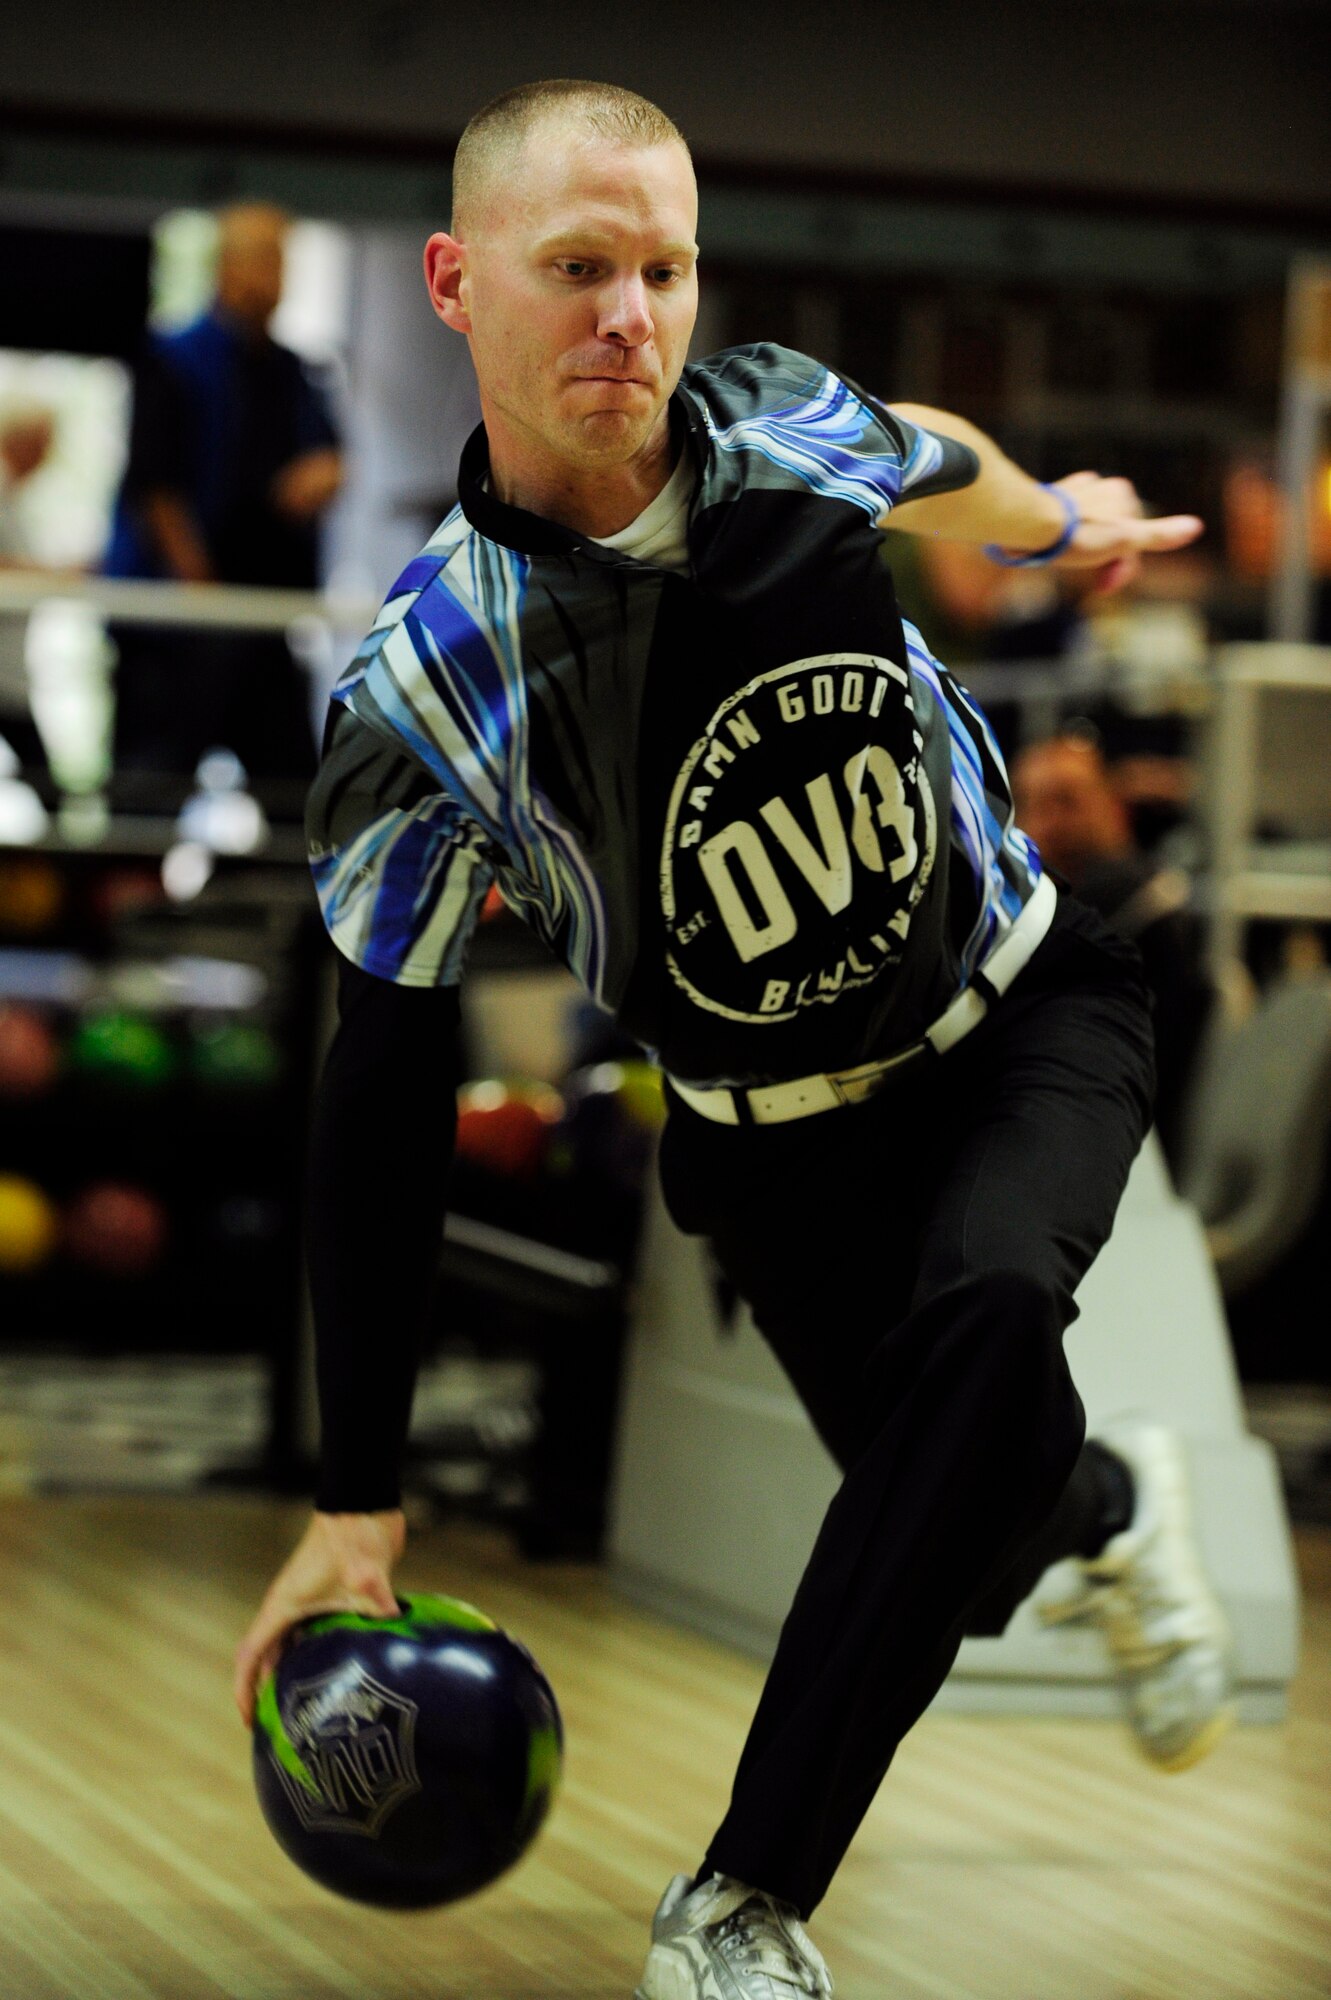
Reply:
x=445 y=272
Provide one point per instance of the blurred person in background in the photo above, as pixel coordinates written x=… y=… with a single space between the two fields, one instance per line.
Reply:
x=1068 y=804
x=233 y=460
x=27 y=439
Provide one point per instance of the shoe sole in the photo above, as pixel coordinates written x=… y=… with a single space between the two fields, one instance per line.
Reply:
x=1166 y=1457
x=1202 y=1744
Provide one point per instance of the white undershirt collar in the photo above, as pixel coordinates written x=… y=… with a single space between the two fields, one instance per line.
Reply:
x=659 y=535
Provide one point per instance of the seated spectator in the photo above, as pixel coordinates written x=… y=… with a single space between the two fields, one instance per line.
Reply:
x=1067 y=803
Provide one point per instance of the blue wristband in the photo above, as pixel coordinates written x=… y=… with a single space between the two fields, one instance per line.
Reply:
x=1018 y=560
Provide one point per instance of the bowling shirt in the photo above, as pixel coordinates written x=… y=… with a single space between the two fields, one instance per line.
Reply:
x=760 y=822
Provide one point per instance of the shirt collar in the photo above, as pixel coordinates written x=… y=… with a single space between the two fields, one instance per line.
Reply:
x=531 y=534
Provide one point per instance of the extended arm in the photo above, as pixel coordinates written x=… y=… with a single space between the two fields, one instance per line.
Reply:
x=305 y=485
x=381 y=1149
x=1004 y=505
x=176 y=536
x=313 y=475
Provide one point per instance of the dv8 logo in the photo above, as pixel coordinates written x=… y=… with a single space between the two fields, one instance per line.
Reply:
x=782 y=892
x=355 y=1738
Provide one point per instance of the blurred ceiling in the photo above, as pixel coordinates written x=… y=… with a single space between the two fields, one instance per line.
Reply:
x=1190 y=103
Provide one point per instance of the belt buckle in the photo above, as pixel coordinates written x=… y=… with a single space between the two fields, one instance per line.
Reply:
x=848 y=1088
x=852 y=1086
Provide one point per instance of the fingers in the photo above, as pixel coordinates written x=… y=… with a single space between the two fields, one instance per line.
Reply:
x=1114 y=525
x=1099 y=542
x=257 y=1653
x=1171 y=531
x=343 y=1562
x=252 y=1661
x=1102 y=497
x=1115 y=575
x=381 y=1599
x=369 y=1592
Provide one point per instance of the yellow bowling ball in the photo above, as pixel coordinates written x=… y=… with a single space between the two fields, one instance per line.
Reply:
x=27 y=1225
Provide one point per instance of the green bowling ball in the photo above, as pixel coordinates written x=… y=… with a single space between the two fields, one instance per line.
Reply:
x=123 y=1048
x=235 y=1055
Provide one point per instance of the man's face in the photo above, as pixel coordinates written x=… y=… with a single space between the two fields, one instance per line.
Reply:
x=250 y=270
x=1065 y=803
x=579 y=289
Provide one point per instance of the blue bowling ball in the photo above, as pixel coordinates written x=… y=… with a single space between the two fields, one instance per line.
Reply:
x=406 y=1761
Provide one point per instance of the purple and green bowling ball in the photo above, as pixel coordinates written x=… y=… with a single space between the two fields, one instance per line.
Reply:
x=406 y=1761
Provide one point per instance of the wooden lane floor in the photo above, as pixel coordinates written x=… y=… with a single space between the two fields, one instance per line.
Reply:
x=1003 y=1860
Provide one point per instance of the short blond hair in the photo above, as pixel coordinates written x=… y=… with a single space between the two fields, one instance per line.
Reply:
x=496 y=134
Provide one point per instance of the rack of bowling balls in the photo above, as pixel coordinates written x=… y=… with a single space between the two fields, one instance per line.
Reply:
x=146 y=1142
x=555 y=1176
x=564 y=1164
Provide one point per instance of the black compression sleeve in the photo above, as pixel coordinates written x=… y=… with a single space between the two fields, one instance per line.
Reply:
x=381 y=1146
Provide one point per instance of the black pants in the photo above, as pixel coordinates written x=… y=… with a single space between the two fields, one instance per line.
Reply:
x=912 y=1263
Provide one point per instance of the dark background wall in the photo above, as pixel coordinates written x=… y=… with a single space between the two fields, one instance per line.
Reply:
x=1208 y=101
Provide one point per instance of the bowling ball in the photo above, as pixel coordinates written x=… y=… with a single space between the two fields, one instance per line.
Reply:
x=234 y=1055
x=116 y=1229
x=123 y=1048
x=29 y=1052
x=28 y=1225
x=505 y=1128
x=32 y=895
x=125 y=892
x=641 y=1092
x=406 y=1761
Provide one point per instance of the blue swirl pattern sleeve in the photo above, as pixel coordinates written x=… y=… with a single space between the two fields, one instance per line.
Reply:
x=399 y=868
x=827 y=434
x=930 y=462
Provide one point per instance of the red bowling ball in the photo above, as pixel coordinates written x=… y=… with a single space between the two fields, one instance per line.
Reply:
x=118 y=1230
x=504 y=1128
x=29 y=1052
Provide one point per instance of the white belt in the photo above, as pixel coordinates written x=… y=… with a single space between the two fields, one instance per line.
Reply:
x=776 y=1103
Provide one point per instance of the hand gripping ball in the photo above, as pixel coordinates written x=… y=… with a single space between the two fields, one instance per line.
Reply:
x=406 y=1761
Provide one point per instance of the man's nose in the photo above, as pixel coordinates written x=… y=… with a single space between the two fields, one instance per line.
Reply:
x=625 y=315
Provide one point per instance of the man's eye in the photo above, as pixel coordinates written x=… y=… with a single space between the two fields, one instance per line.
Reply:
x=574 y=267
x=666 y=274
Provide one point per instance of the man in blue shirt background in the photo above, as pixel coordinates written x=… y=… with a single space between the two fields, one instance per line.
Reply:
x=233 y=458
